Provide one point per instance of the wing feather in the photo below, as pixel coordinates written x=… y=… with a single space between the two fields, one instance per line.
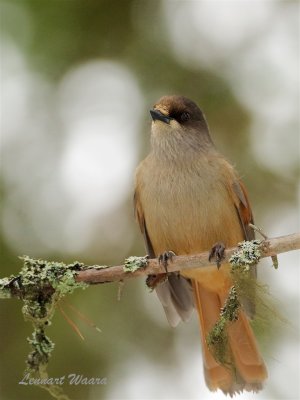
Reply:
x=243 y=209
x=175 y=293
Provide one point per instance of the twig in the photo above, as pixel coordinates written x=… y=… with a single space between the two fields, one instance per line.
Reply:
x=66 y=278
x=260 y=231
x=269 y=248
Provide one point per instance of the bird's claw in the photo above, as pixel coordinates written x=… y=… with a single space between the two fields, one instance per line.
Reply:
x=165 y=257
x=217 y=252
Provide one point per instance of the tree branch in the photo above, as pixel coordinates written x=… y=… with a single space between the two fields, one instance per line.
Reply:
x=42 y=284
x=268 y=248
x=39 y=277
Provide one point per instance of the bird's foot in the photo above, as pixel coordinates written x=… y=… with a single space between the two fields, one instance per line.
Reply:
x=217 y=252
x=165 y=257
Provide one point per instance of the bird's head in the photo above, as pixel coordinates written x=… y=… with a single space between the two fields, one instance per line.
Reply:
x=178 y=120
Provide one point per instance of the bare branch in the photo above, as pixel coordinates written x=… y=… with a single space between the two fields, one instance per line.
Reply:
x=269 y=248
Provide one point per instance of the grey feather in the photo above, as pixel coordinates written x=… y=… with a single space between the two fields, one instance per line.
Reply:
x=176 y=296
x=164 y=296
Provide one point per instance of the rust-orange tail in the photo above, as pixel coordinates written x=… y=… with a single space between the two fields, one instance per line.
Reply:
x=249 y=370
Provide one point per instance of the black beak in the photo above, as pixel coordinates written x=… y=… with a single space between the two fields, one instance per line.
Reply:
x=157 y=115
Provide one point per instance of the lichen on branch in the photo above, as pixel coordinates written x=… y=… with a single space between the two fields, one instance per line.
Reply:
x=134 y=263
x=243 y=290
x=217 y=339
x=247 y=254
x=41 y=284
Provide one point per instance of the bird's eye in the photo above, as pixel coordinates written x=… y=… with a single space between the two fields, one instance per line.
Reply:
x=185 y=116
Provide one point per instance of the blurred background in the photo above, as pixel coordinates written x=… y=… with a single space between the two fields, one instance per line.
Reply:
x=77 y=81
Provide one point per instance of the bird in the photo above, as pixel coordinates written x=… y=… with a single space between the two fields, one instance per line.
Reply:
x=189 y=199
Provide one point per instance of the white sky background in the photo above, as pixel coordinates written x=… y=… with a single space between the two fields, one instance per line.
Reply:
x=90 y=174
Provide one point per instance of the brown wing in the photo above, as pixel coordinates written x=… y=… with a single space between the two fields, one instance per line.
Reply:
x=173 y=290
x=139 y=215
x=243 y=209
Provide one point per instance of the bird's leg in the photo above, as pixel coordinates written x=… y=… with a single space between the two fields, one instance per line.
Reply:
x=217 y=252
x=165 y=257
x=153 y=280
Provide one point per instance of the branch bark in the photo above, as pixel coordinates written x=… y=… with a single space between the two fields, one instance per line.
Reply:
x=269 y=248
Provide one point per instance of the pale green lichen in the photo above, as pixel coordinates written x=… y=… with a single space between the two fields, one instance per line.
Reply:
x=5 y=292
x=243 y=272
x=41 y=284
x=243 y=291
x=134 y=263
x=248 y=254
x=217 y=339
x=231 y=307
x=42 y=347
x=37 y=273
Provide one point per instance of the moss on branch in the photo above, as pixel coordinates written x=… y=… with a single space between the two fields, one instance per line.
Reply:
x=41 y=284
x=134 y=263
x=243 y=291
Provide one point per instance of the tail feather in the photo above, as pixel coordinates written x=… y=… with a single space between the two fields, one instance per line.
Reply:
x=249 y=369
x=216 y=376
x=248 y=360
